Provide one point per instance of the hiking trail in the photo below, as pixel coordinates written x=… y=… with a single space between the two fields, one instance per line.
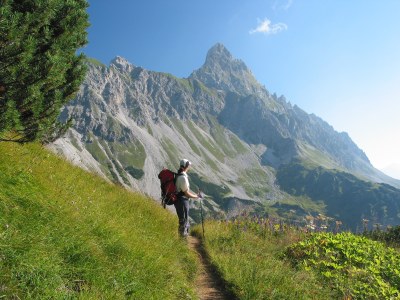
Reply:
x=209 y=285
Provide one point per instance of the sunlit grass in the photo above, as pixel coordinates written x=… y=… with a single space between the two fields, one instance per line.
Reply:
x=251 y=262
x=65 y=233
x=264 y=258
x=353 y=265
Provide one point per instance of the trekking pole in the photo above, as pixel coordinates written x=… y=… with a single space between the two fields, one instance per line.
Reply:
x=201 y=211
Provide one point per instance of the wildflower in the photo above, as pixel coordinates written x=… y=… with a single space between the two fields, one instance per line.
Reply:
x=311 y=226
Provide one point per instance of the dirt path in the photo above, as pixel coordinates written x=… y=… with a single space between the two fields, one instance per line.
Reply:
x=208 y=284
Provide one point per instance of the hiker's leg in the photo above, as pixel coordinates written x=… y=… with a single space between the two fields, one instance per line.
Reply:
x=181 y=215
x=186 y=216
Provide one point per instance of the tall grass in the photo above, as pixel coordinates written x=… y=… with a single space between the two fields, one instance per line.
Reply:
x=67 y=234
x=249 y=257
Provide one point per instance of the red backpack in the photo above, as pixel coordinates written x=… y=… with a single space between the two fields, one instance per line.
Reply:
x=168 y=188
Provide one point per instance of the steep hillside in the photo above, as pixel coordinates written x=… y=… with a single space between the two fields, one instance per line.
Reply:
x=131 y=122
x=68 y=234
x=346 y=197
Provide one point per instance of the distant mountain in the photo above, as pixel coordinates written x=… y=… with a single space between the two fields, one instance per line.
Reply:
x=346 y=197
x=131 y=122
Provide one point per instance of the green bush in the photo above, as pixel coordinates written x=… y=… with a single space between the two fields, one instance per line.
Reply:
x=356 y=266
x=391 y=236
x=40 y=70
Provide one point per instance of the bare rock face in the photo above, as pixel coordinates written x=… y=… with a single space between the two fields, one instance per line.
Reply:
x=131 y=122
x=221 y=71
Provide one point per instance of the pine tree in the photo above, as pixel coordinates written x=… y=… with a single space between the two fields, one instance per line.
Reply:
x=40 y=69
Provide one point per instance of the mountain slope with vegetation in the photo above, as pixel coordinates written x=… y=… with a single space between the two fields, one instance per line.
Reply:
x=345 y=196
x=66 y=234
x=131 y=122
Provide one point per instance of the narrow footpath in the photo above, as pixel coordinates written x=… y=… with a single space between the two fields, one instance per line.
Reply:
x=209 y=285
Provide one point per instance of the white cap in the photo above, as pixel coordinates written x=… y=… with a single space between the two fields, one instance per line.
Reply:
x=185 y=163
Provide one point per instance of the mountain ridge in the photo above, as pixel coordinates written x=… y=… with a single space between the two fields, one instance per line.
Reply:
x=131 y=122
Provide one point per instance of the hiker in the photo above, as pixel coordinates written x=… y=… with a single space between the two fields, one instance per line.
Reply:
x=184 y=194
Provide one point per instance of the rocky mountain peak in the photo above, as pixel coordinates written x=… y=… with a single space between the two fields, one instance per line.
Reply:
x=224 y=72
x=218 y=54
x=122 y=64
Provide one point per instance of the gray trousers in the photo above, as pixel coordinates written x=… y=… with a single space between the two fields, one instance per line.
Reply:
x=182 y=210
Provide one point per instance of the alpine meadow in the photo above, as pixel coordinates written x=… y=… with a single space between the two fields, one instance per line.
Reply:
x=284 y=206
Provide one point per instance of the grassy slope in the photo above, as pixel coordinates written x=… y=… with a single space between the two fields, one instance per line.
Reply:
x=65 y=233
x=253 y=266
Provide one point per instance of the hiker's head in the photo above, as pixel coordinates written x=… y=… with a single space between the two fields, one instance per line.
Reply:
x=184 y=164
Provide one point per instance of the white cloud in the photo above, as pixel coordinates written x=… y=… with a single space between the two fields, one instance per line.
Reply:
x=287 y=5
x=267 y=27
x=284 y=5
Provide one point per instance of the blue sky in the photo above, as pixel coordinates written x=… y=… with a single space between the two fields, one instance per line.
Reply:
x=338 y=59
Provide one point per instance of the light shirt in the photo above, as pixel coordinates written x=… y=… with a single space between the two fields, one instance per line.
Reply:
x=182 y=182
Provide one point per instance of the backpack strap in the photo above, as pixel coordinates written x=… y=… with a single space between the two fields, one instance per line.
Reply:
x=179 y=194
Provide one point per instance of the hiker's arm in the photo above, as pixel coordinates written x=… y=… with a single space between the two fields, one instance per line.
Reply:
x=190 y=194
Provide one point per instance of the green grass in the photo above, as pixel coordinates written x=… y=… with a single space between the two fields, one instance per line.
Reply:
x=313 y=157
x=268 y=259
x=95 y=150
x=131 y=157
x=253 y=181
x=95 y=62
x=114 y=126
x=206 y=142
x=185 y=83
x=171 y=150
x=205 y=89
x=228 y=142
x=251 y=262
x=178 y=125
x=149 y=130
x=238 y=144
x=129 y=153
x=293 y=208
x=68 y=234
